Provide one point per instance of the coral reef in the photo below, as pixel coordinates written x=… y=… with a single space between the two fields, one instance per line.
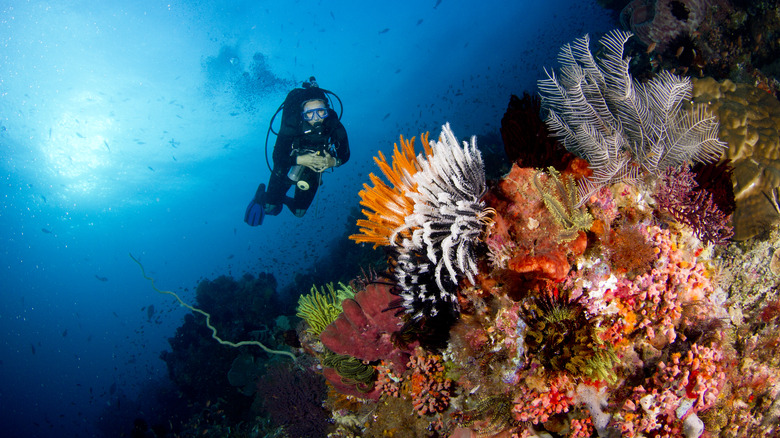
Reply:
x=528 y=307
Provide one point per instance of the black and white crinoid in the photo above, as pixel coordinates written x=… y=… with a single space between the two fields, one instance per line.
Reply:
x=446 y=225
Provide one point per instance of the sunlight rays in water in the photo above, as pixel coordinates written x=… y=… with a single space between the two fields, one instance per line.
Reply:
x=78 y=147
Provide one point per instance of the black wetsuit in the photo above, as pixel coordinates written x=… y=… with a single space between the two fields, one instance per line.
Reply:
x=297 y=139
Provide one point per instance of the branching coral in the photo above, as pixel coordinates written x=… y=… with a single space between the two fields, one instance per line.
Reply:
x=619 y=125
x=676 y=194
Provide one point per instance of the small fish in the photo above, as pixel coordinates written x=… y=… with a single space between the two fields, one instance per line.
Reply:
x=45 y=230
x=106 y=143
x=651 y=47
x=49 y=133
x=103 y=279
x=32 y=347
x=419 y=22
x=44 y=199
x=385 y=30
x=438 y=2
x=230 y=256
x=79 y=135
x=385 y=117
x=233 y=114
x=332 y=16
x=150 y=168
x=174 y=157
x=149 y=312
x=174 y=143
x=140 y=142
x=65 y=333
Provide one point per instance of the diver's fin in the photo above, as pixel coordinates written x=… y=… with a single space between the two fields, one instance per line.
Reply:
x=255 y=213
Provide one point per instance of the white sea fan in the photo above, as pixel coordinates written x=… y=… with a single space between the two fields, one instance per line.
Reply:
x=446 y=224
x=619 y=125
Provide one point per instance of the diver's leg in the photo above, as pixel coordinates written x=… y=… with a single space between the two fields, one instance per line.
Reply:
x=303 y=198
x=278 y=185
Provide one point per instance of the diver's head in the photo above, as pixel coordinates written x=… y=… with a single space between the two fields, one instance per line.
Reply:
x=314 y=111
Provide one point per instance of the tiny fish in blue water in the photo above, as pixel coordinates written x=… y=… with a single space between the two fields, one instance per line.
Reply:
x=106 y=143
x=79 y=135
x=385 y=30
x=103 y=279
x=438 y=2
x=385 y=117
x=45 y=230
x=65 y=333
x=150 y=168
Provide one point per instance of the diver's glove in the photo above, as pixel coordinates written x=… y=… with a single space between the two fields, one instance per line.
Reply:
x=313 y=161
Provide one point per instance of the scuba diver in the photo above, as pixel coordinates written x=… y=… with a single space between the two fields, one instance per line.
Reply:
x=311 y=139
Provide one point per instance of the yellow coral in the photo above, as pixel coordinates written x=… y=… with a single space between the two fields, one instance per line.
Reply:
x=388 y=205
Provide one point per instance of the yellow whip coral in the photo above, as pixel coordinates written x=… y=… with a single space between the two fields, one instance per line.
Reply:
x=389 y=206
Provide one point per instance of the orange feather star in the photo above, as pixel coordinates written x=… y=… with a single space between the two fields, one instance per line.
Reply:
x=386 y=206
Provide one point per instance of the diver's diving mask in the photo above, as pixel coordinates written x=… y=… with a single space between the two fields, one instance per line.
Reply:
x=315 y=113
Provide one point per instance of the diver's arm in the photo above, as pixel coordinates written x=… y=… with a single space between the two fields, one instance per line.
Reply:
x=282 y=155
x=340 y=144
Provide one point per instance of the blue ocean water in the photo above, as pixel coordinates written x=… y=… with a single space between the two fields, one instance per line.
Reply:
x=139 y=127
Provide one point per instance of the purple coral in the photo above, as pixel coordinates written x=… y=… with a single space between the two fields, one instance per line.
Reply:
x=677 y=195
